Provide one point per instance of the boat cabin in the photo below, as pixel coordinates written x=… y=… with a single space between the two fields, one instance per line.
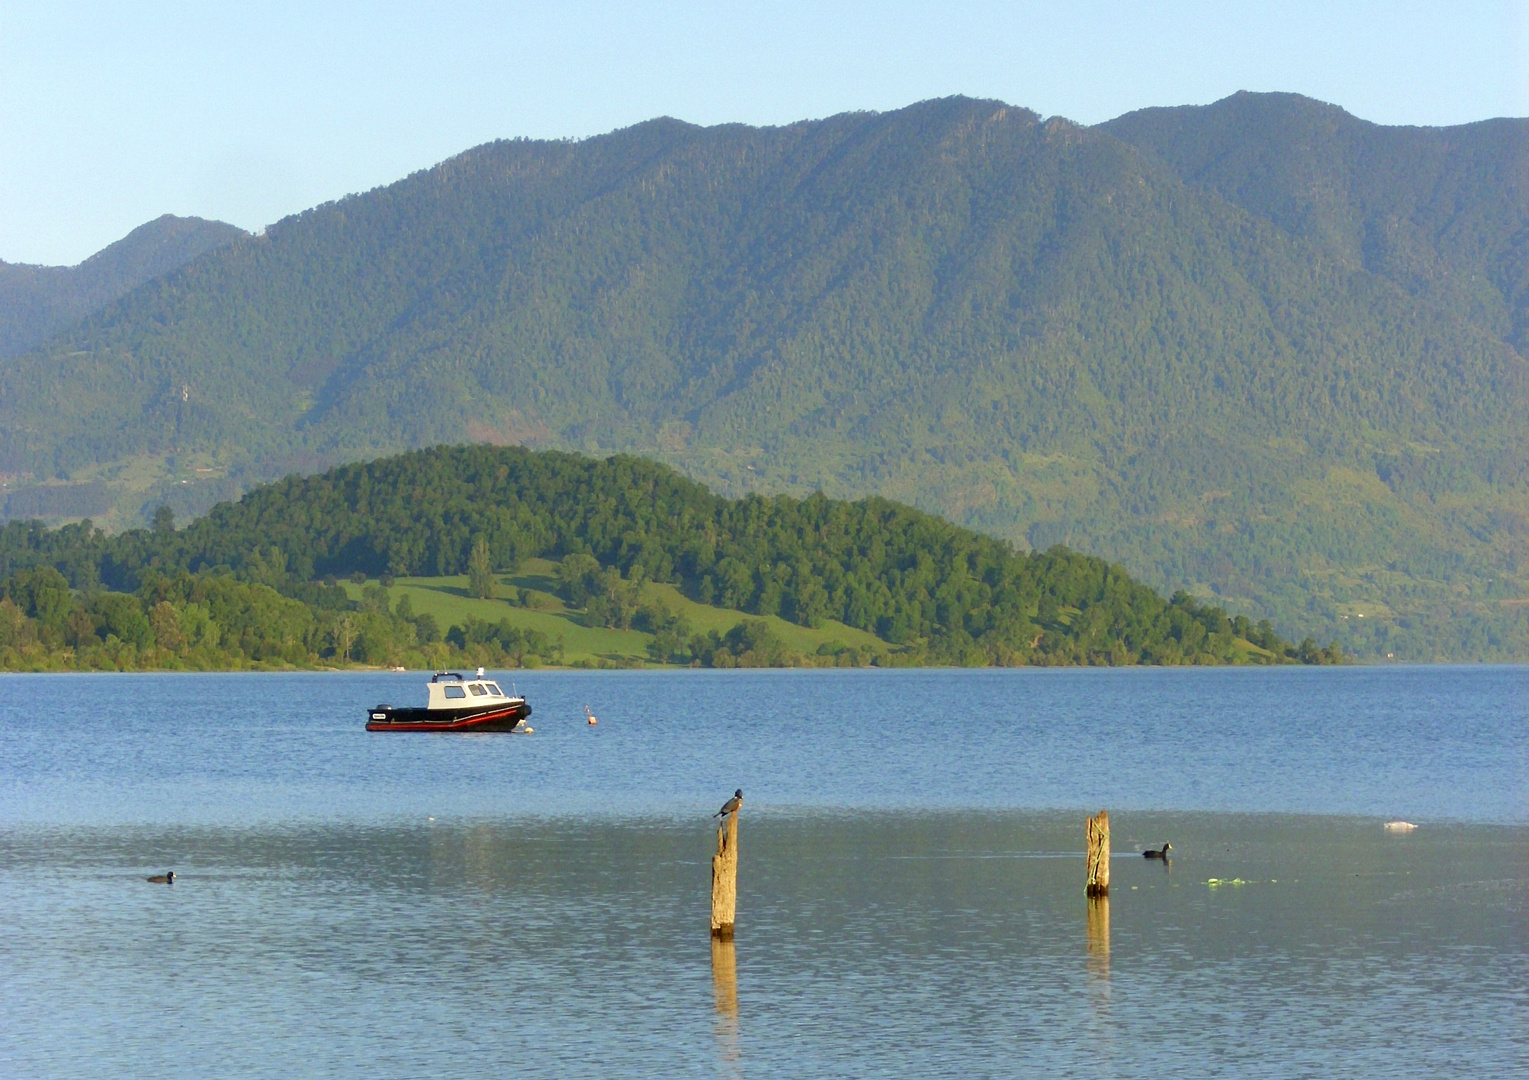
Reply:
x=450 y=690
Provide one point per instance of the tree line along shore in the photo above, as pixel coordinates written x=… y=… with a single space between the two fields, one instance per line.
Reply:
x=301 y=573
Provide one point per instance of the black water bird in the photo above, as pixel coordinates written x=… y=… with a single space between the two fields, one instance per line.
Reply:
x=732 y=805
x=1163 y=854
x=167 y=878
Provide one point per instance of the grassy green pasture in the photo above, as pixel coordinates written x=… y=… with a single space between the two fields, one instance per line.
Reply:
x=447 y=599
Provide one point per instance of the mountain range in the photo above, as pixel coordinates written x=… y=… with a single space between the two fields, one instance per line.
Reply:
x=1261 y=349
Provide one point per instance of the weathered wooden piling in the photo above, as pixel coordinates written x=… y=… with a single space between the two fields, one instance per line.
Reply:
x=1099 y=854
x=724 y=878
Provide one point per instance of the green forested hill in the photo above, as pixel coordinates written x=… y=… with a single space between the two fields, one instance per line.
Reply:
x=930 y=591
x=1261 y=350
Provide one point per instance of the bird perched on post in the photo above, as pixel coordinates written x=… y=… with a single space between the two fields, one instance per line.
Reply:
x=732 y=805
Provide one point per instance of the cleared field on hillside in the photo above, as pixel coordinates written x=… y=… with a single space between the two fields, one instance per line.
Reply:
x=448 y=600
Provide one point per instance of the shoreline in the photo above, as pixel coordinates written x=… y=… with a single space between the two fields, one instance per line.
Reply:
x=1365 y=665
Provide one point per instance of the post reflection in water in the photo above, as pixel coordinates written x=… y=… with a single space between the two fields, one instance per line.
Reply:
x=724 y=980
x=1101 y=1034
x=1099 y=943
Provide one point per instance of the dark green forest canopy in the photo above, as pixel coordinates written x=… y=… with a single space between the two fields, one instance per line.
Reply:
x=948 y=594
x=1260 y=350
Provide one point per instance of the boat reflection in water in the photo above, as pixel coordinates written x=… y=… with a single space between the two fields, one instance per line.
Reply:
x=455 y=704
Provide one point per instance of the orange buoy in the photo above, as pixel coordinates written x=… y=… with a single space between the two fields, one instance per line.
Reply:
x=590 y=715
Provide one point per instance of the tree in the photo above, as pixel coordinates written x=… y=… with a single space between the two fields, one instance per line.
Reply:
x=578 y=578
x=344 y=635
x=165 y=625
x=480 y=571
x=164 y=519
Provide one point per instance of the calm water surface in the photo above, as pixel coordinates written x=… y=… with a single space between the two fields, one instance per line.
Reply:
x=910 y=894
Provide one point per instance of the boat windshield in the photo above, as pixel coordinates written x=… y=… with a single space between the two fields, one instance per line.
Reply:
x=493 y=688
x=455 y=692
x=477 y=689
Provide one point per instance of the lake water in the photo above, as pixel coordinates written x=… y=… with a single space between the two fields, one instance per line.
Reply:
x=911 y=883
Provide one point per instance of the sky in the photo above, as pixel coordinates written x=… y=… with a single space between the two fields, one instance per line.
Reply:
x=114 y=113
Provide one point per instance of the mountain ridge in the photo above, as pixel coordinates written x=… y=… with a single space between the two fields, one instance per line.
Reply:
x=1109 y=335
x=37 y=302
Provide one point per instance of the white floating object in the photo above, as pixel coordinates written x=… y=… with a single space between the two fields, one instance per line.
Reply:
x=590 y=715
x=1399 y=826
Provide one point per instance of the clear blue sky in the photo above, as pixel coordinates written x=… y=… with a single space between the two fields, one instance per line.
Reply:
x=111 y=114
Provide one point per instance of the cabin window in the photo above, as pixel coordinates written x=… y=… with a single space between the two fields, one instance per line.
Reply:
x=455 y=692
x=493 y=688
x=477 y=689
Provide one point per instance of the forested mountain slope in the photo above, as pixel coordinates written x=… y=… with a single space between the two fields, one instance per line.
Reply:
x=1203 y=342
x=1440 y=212
x=37 y=302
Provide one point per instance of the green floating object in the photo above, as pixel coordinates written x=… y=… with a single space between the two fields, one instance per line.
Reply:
x=1215 y=881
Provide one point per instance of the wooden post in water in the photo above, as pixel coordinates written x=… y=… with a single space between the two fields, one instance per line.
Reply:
x=724 y=878
x=1099 y=854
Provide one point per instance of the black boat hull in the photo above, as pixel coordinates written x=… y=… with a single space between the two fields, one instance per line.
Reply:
x=502 y=717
